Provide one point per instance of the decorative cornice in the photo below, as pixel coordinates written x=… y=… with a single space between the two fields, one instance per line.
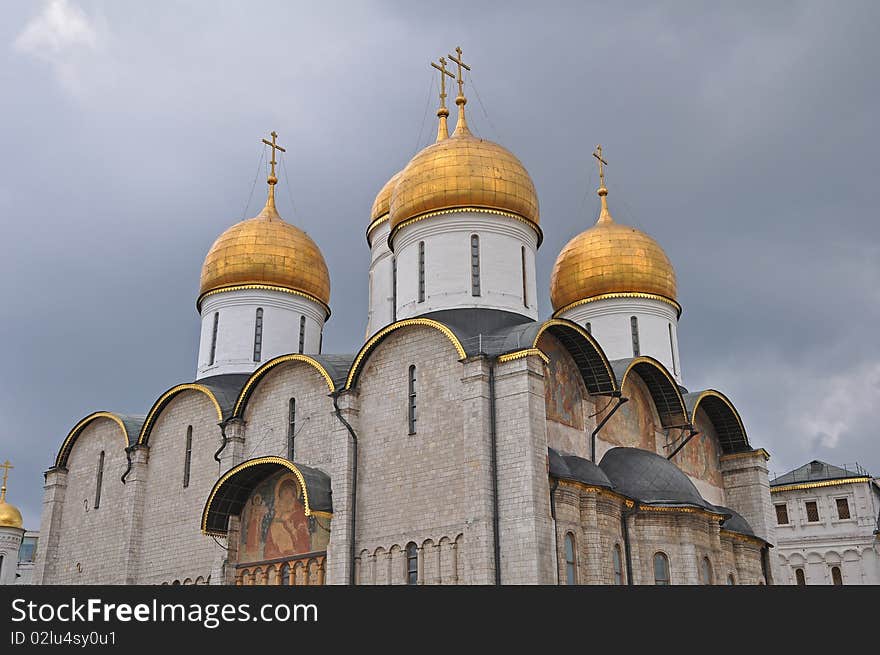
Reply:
x=519 y=354
x=374 y=224
x=747 y=453
x=263 y=287
x=458 y=210
x=816 y=485
x=620 y=294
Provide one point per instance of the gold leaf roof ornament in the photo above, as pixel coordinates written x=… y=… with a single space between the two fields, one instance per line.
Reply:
x=462 y=171
x=266 y=251
x=610 y=258
x=10 y=517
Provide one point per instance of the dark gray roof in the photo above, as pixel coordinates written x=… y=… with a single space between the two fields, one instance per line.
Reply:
x=650 y=478
x=225 y=389
x=494 y=332
x=735 y=522
x=337 y=366
x=578 y=469
x=133 y=424
x=817 y=471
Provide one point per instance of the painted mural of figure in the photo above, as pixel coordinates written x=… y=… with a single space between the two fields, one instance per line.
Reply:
x=254 y=529
x=288 y=532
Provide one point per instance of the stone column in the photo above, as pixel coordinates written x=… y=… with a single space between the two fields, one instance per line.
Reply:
x=591 y=547
x=526 y=528
x=50 y=524
x=747 y=491
x=135 y=489
x=234 y=453
x=476 y=559
x=339 y=563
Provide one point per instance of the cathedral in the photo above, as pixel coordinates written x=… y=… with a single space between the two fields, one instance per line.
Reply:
x=467 y=440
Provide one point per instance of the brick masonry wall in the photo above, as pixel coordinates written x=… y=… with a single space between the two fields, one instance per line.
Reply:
x=172 y=545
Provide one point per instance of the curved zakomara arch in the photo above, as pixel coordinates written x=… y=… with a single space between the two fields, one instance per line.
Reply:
x=663 y=389
x=211 y=507
x=724 y=417
x=166 y=398
x=591 y=360
x=377 y=338
x=73 y=435
x=257 y=376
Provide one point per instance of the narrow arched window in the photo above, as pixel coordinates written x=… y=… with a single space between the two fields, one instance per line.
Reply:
x=320 y=341
x=589 y=328
x=731 y=581
x=187 y=458
x=412 y=564
x=800 y=577
x=836 y=577
x=1 y=566
x=214 y=339
x=99 y=480
x=284 y=575
x=634 y=326
x=394 y=289
x=302 y=333
x=475 y=265
x=421 y=271
x=570 y=570
x=412 y=399
x=661 y=569
x=706 y=571
x=291 y=427
x=523 y=268
x=672 y=351
x=618 y=565
x=258 y=335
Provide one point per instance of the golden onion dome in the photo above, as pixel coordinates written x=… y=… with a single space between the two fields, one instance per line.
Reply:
x=10 y=517
x=463 y=171
x=610 y=258
x=382 y=204
x=266 y=250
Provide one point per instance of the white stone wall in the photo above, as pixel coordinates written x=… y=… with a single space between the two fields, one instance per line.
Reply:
x=410 y=487
x=10 y=542
x=381 y=281
x=91 y=549
x=816 y=547
x=447 y=241
x=172 y=545
x=610 y=325
x=236 y=327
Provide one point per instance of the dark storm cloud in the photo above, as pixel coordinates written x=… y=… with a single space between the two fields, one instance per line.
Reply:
x=742 y=138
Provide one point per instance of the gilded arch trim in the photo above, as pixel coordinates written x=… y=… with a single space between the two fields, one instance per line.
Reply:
x=725 y=419
x=261 y=372
x=596 y=367
x=212 y=511
x=664 y=391
x=166 y=398
x=73 y=435
x=371 y=345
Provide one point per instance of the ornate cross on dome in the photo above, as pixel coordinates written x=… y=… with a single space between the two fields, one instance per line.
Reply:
x=443 y=74
x=6 y=466
x=274 y=146
x=461 y=65
x=602 y=164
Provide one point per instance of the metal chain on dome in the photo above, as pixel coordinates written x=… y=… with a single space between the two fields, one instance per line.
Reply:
x=289 y=190
x=425 y=117
x=497 y=134
x=254 y=185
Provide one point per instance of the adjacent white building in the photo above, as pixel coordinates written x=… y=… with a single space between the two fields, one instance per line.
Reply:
x=827 y=520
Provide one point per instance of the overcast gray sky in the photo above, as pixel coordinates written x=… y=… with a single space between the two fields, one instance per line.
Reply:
x=743 y=138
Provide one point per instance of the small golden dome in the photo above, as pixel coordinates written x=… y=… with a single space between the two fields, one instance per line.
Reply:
x=266 y=250
x=10 y=517
x=610 y=258
x=463 y=171
x=382 y=204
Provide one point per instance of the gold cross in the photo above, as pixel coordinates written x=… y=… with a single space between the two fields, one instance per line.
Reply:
x=274 y=146
x=443 y=74
x=6 y=466
x=461 y=65
x=602 y=164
